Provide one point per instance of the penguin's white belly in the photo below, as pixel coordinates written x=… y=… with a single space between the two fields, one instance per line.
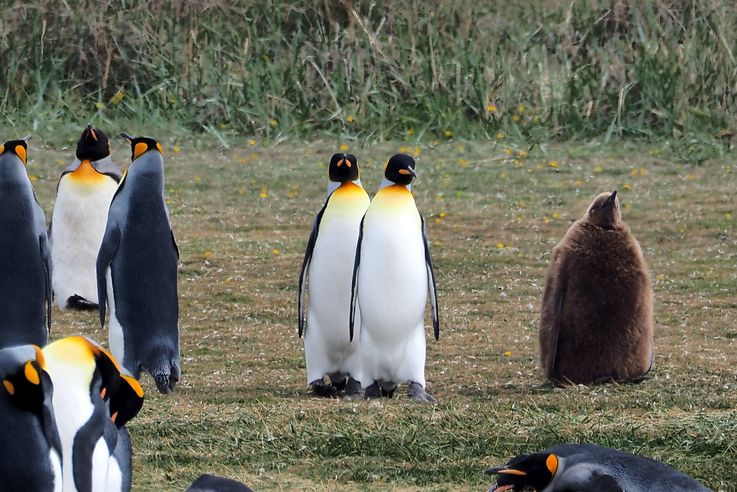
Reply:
x=78 y=225
x=114 y=476
x=100 y=465
x=392 y=279
x=55 y=460
x=328 y=348
x=116 y=340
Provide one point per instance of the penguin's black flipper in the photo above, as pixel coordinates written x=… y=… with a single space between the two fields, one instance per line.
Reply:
x=305 y=264
x=46 y=263
x=354 y=280
x=104 y=258
x=431 y=281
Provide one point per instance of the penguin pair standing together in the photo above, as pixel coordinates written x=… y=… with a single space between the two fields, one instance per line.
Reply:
x=589 y=468
x=370 y=272
x=63 y=409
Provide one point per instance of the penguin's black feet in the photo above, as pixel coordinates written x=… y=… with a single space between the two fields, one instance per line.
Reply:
x=319 y=388
x=353 y=390
x=387 y=391
x=80 y=303
x=338 y=381
x=417 y=393
x=373 y=392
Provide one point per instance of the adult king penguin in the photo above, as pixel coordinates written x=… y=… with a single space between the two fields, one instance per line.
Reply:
x=137 y=270
x=589 y=468
x=328 y=263
x=92 y=402
x=83 y=197
x=596 y=322
x=30 y=455
x=392 y=275
x=25 y=270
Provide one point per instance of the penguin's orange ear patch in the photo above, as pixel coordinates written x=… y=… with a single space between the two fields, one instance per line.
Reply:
x=31 y=373
x=2 y=149
x=552 y=464
x=21 y=151
x=9 y=387
x=159 y=148
x=139 y=149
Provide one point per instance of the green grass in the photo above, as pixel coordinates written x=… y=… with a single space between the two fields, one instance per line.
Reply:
x=373 y=70
x=242 y=217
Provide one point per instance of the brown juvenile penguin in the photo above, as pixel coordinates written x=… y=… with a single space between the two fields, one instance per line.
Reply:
x=596 y=323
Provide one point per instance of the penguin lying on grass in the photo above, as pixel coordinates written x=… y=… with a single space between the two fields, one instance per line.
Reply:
x=137 y=270
x=589 y=468
x=392 y=276
x=25 y=270
x=328 y=264
x=92 y=402
x=83 y=197
x=30 y=455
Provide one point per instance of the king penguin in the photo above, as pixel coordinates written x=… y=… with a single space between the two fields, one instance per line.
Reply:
x=590 y=468
x=30 y=455
x=92 y=402
x=328 y=263
x=25 y=270
x=392 y=275
x=137 y=270
x=78 y=221
x=596 y=322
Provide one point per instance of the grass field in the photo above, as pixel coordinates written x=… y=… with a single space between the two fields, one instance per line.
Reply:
x=494 y=210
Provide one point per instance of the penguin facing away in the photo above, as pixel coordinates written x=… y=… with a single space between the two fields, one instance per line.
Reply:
x=596 y=322
x=392 y=275
x=25 y=292
x=30 y=456
x=83 y=197
x=137 y=271
x=328 y=263
x=92 y=402
x=589 y=468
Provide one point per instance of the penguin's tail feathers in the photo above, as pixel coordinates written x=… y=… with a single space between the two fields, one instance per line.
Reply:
x=166 y=373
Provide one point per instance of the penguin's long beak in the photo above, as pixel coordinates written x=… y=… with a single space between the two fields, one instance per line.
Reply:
x=505 y=471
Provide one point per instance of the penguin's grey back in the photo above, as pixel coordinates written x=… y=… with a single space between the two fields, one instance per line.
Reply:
x=23 y=289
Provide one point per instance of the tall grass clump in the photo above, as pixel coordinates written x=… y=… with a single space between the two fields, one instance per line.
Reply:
x=375 y=69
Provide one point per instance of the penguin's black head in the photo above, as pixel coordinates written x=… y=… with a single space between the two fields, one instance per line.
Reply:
x=93 y=145
x=17 y=147
x=343 y=168
x=524 y=471
x=400 y=169
x=604 y=211
x=141 y=145
x=24 y=378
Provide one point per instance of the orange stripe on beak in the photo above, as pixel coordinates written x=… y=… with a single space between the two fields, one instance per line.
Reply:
x=404 y=171
x=512 y=471
x=94 y=135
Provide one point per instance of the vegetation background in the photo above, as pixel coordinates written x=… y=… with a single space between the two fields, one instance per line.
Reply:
x=518 y=114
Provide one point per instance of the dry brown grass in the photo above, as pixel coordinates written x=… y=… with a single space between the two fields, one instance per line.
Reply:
x=243 y=409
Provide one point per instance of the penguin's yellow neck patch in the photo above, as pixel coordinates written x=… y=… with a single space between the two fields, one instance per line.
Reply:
x=86 y=174
x=71 y=351
x=394 y=198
